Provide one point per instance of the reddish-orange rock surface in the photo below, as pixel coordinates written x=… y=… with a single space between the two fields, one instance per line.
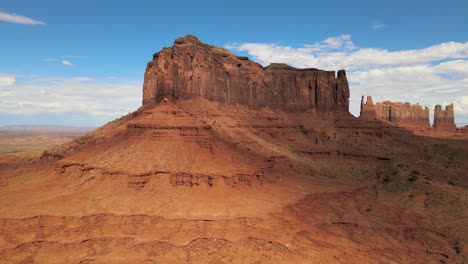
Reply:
x=401 y=114
x=444 y=119
x=196 y=180
x=192 y=68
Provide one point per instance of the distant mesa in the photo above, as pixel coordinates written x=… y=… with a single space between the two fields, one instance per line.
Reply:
x=191 y=68
x=47 y=129
x=407 y=115
x=444 y=119
x=403 y=114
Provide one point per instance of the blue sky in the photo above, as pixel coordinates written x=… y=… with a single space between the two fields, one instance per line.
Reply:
x=82 y=62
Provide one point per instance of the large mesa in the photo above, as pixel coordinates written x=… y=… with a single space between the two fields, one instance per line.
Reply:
x=191 y=68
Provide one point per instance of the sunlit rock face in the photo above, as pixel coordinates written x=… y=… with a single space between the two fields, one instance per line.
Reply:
x=191 y=68
x=444 y=119
x=402 y=114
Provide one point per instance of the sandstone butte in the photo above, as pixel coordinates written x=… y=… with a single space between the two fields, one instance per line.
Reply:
x=191 y=68
x=407 y=115
x=444 y=119
x=403 y=114
x=231 y=162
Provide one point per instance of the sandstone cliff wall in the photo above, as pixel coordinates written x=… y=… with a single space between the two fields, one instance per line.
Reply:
x=402 y=114
x=190 y=68
x=444 y=119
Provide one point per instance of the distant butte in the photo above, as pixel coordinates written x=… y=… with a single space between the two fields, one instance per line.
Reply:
x=191 y=68
x=407 y=115
x=444 y=119
x=403 y=114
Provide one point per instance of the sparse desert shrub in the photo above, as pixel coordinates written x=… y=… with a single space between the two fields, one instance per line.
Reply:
x=386 y=179
x=413 y=177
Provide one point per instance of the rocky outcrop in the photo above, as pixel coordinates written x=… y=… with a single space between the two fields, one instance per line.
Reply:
x=444 y=119
x=191 y=68
x=401 y=114
x=463 y=130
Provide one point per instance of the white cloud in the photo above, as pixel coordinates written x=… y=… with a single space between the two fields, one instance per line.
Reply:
x=74 y=57
x=19 y=19
x=461 y=105
x=80 y=95
x=6 y=81
x=433 y=75
x=320 y=55
x=377 y=26
x=332 y=43
x=67 y=63
x=82 y=79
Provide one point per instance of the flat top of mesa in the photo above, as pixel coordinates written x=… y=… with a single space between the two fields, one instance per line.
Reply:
x=192 y=40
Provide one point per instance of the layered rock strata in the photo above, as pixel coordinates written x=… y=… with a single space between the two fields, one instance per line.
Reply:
x=401 y=114
x=444 y=119
x=191 y=68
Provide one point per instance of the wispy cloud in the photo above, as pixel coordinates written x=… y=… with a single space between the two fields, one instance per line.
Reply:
x=332 y=43
x=74 y=57
x=432 y=75
x=67 y=63
x=19 y=19
x=50 y=59
x=82 y=79
x=377 y=26
x=97 y=100
x=7 y=81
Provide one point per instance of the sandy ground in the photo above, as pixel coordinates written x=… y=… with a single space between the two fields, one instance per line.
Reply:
x=32 y=143
x=201 y=182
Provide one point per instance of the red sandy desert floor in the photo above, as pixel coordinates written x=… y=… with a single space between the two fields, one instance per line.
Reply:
x=201 y=182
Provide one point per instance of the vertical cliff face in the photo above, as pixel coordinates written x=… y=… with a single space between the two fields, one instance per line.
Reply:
x=444 y=119
x=191 y=68
x=402 y=114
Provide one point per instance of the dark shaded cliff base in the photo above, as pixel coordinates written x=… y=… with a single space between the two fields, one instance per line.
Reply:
x=198 y=181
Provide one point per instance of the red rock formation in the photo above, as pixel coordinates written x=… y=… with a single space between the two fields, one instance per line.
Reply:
x=463 y=130
x=192 y=68
x=401 y=114
x=444 y=119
